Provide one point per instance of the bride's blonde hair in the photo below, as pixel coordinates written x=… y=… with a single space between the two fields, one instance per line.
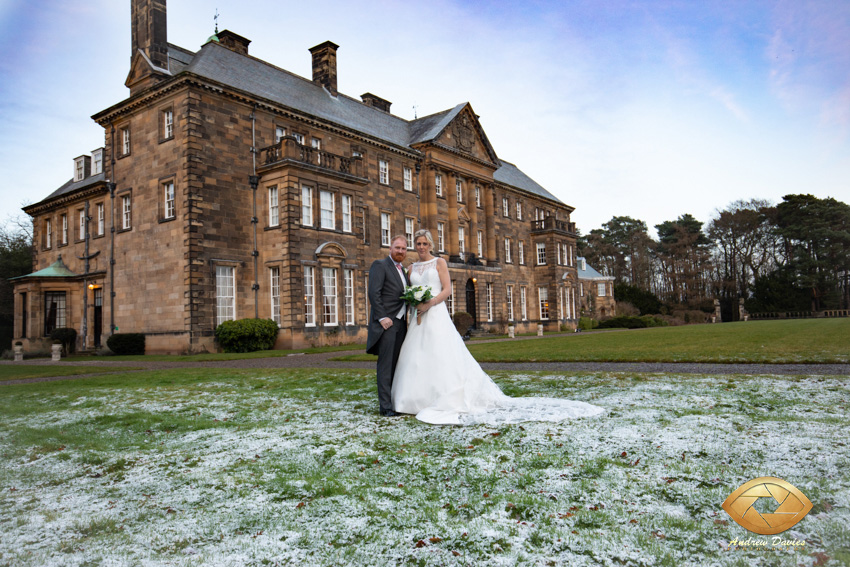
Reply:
x=426 y=234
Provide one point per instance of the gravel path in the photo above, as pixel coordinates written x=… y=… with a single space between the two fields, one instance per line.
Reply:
x=322 y=360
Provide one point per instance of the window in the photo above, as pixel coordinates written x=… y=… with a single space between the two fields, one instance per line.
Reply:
x=385 y=229
x=225 y=294
x=306 y=205
x=408 y=232
x=441 y=236
x=54 y=311
x=329 y=297
x=274 y=286
x=508 y=250
x=167 y=124
x=48 y=233
x=346 y=213
x=101 y=220
x=560 y=303
x=558 y=250
x=438 y=183
x=327 y=210
x=600 y=290
x=450 y=300
x=505 y=211
x=309 y=297
x=518 y=210
x=82 y=229
x=317 y=145
x=125 y=212
x=523 y=305
x=510 y=301
x=459 y=190
x=274 y=207
x=168 y=195
x=125 y=141
x=581 y=289
x=521 y=251
x=64 y=218
x=348 y=283
x=541 y=253
x=489 y=301
x=461 y=240
x=543 y=297
x=478 y=196
x=480 y=244
x=570 y=295
x=279 y=133
x=383 y=171
x=79 y=169
x=97 y=162
x=299 y=138
x=408 y=179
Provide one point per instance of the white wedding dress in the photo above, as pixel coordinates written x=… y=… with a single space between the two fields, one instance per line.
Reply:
x=439 y=381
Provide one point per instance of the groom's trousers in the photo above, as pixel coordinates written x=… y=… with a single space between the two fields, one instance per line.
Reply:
x=389 y=345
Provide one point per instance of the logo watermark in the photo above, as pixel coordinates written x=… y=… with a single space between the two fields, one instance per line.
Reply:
x=749 y=506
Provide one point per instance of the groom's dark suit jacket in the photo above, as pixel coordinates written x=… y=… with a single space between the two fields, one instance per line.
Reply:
x=385 y=291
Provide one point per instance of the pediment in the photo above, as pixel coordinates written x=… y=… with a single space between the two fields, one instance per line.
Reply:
x=141 y=69
x=465 y=135
x=331 y=249
x=462 y=214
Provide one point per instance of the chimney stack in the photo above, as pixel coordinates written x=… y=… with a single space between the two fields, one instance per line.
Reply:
x=234 y=42
x=324 y=65
x=150 y=31
x=376 y=102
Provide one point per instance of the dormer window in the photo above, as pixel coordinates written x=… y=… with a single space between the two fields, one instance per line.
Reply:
x=82 y=167
x=97 y=161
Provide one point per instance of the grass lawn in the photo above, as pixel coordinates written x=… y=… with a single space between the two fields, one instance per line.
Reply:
x=216 y=467
x=800 y=341
x=15 y=372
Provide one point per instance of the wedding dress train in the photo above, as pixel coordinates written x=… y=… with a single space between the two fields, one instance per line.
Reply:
x=439 y=381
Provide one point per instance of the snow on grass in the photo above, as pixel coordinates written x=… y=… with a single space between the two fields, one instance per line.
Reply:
x=276 y=470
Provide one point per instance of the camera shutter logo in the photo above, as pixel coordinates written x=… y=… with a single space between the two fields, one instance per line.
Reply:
x=792 y=505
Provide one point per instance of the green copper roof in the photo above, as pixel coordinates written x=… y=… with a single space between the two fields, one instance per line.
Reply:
x=57 y=269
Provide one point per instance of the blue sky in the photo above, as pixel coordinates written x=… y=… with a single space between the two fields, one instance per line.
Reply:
x=645 y=109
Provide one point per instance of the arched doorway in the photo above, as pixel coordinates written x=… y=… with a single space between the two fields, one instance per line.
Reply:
x=470 y=302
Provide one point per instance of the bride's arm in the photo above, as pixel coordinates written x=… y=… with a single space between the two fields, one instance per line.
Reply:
x=445 y=282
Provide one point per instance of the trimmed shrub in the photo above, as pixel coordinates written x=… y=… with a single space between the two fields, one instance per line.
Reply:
x=127 y=343
x=586 y=323
x=68 y=338
x=623 y=322
x=246 y=335
x=463 y=321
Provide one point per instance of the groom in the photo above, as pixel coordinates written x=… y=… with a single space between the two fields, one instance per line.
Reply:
x=387 y=324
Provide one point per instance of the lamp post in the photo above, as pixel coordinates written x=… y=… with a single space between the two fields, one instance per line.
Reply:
x=254 y=181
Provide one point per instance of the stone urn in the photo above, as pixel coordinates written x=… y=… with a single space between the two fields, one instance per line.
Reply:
x=18 y=349
x=511 y=331
x=540 y=329
x=56 y=352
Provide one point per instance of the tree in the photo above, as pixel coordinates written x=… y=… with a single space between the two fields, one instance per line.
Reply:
x=816 y=237
x=16 y=259
x=744 y=249
x=685 y=263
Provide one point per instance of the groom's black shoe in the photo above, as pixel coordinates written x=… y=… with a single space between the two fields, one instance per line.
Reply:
x=389 y=413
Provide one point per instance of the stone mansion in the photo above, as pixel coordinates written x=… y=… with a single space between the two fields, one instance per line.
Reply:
x=229 y=188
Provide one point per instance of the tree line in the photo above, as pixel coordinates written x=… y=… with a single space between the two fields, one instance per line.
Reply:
x=793 y=256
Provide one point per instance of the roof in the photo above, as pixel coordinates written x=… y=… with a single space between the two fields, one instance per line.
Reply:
x=585 y=272
x=262 y=79
x=57 y=269
x=509 y=174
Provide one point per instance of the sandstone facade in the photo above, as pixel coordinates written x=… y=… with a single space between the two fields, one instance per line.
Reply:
x=230 y=188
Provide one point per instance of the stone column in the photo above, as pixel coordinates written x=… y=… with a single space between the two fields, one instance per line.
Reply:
x=451 y=201
x=490 y=224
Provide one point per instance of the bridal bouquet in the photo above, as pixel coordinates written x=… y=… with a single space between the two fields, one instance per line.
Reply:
x=415 y=294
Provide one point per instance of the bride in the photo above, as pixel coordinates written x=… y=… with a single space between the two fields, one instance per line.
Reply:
x=436 y=377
